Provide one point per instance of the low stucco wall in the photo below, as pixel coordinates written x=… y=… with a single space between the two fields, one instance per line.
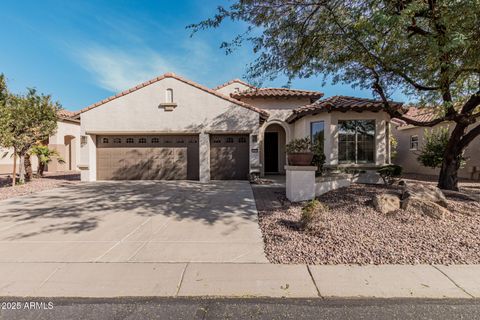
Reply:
x=326 y=184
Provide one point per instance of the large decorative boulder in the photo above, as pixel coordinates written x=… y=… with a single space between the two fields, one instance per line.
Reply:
x=426 y=207
x=386 y=202
x=424 y=192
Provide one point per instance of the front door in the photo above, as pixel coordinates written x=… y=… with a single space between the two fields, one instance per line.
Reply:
x=271 y=152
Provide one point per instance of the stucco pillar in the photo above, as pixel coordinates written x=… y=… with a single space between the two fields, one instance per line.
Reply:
x=204 y=146
x=88 y=159
x=254 y=152
x=300 y=182
x=380 y=143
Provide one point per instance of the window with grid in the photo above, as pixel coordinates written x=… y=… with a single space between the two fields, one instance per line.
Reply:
x=155 y=140
x=142 y=140
x=117 y=140
x=105 y=140
x=356 y=141
x=129 y=140
x=229 y=140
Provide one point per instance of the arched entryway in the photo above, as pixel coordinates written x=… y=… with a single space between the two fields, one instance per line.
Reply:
x=274 y=156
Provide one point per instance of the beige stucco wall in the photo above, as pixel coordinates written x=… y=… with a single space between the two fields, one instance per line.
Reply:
x=408 y=158
x=279 y=109
x=197 y=112
x=67 y=142
x=6 y=161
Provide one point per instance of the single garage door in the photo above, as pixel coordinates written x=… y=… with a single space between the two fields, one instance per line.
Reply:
x=229 y=157
x=147 y=157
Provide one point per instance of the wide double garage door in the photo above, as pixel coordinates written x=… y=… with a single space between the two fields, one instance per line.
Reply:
x=169 y=157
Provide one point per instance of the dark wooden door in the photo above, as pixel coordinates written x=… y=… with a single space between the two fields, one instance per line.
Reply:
x=271 y=151
x=229 y=157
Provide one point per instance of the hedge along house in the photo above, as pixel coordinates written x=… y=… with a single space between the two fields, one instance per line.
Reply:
x=173 y=128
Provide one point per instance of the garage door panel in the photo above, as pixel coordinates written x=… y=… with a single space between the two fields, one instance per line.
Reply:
x=147 y=158
x=229 y=157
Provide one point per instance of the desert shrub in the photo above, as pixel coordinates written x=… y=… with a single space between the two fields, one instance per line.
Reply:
x=431 y=154
x=311 y=213
x=390 y=173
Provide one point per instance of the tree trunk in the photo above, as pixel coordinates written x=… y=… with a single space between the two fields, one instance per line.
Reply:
x=21 y=169
x=448 y=178
x=14 y=173
x=41 y=168
x=28 y=167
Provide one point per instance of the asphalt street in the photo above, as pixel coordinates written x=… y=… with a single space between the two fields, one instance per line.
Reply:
x=196 y=308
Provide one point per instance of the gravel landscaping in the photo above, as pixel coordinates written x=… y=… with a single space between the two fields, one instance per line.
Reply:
x=49 y=181
x=353 y=232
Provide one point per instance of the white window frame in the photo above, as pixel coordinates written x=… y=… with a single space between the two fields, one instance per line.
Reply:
x=169 y=95
x=411 y=142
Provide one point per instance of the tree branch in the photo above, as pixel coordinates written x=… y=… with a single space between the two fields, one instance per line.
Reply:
x=472 y=103
x=472 y=134
x=394 y=113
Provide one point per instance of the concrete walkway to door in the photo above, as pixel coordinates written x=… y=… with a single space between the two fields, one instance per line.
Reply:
x=133 y=221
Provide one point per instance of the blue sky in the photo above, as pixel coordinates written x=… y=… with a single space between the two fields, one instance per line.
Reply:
x=83 y=51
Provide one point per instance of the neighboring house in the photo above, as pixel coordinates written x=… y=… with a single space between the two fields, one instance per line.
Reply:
x=66 y=141
x=411 y=140
x=173 y=128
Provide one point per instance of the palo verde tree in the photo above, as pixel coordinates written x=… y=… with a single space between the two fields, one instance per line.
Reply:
x=429 y=49
x=26 y=120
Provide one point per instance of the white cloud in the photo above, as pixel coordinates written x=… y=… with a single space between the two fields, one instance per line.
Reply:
x=115 y=69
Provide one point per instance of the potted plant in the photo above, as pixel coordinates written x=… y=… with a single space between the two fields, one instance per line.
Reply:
x=299 y=152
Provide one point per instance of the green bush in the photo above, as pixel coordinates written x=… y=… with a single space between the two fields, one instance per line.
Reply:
x=312 y=212
x=299 y=145
x=318 y=156
x=431 y=154
x=389 y=173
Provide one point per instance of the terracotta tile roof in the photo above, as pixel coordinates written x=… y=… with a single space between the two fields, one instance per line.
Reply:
x=234 y=81
x=263 y=113
x=68 y=115
x=339 y=103
x=424 y=114
x=276 y=93
x=65 y=113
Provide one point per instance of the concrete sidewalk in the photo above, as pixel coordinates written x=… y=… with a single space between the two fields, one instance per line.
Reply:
x=237 y=280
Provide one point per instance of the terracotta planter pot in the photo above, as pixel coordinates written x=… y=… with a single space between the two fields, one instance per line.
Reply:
x=300 y=158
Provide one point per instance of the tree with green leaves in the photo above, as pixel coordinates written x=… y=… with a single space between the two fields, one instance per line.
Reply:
x=6 y=138
x=429 y=49
x=26 y=120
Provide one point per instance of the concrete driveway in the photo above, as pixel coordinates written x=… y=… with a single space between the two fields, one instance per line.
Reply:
x=133 y=222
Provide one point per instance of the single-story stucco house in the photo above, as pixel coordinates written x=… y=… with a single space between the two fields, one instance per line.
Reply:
x=411 y=139
x=173 y=128
x=66 y=141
